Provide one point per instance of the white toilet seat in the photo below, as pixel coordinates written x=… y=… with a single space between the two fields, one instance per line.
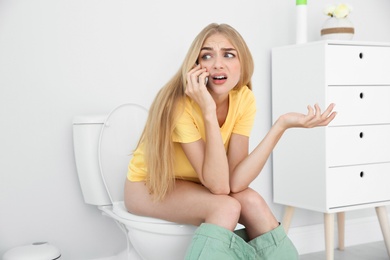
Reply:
x=119 y=209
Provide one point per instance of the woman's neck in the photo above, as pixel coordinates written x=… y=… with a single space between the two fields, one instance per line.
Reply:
x=222 y=110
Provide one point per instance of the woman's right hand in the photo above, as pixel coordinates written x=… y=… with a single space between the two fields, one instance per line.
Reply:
x=197 y=90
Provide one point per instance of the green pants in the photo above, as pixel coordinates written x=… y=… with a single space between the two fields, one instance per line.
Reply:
x=212 y=242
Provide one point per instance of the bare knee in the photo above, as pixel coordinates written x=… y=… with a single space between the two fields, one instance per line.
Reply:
x=254 y=208
x=255 y=213
x=250 y=199
x=225 y=212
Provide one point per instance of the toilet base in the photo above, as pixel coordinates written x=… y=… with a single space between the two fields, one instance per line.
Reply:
x=179 y=237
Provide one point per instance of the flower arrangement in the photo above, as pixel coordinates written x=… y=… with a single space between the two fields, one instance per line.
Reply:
x=338 y=11
x=338 y=26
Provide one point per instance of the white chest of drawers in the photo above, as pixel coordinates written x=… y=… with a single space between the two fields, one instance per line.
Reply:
x=345 y=165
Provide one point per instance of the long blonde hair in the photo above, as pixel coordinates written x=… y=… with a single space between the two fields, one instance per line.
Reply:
x=168 y=105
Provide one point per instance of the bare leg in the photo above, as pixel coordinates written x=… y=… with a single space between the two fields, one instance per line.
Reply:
x=188 y=203
x=256 y=216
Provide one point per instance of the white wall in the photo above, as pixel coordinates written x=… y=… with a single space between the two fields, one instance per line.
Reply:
x=62 y=58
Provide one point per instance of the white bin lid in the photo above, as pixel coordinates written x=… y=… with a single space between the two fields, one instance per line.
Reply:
x=35 y=251
x=89 y=119
x=118 y=139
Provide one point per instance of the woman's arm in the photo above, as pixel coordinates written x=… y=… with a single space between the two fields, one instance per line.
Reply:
x=244 y=171
x=207 y=158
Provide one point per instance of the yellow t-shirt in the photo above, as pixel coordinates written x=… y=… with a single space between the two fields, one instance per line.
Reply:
x=190 y=128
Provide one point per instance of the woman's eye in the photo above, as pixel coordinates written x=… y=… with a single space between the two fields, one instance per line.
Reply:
x=229 y=55
x=206 y=57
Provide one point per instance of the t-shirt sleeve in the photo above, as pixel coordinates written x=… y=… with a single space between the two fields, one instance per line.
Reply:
x=246 y=118
x=186 y=130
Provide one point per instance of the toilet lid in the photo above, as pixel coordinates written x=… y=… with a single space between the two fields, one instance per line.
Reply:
x=118 y=139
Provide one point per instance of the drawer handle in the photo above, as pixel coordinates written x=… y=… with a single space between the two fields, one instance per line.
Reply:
x=361 y=55
x=361 y=174
x=361 y=134
x=361 y=95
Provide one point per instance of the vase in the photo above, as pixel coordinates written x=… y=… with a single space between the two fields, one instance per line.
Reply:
x=337 y=29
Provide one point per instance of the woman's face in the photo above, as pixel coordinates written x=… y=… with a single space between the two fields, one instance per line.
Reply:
x=220 y=59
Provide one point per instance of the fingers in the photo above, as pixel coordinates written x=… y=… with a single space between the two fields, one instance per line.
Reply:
x=318 y=110
x=329 y=110
x=311 y=111
x=312 y=115
x=328 y=119
x=196 y=87
x=317 y=114
x=328 y=115
x=316 y=118
x=197 y=76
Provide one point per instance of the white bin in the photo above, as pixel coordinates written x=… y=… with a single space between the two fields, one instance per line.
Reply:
x=35 y=251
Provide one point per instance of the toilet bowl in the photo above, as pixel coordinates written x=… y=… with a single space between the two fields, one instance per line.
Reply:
x=152 y=238
x=103 y=147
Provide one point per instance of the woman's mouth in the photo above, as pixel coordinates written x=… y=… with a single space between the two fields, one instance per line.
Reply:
x=219 y=79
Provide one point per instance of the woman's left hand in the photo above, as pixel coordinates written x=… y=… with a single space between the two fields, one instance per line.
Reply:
x=313 y=118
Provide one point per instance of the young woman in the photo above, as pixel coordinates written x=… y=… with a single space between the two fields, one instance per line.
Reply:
x=192 y=164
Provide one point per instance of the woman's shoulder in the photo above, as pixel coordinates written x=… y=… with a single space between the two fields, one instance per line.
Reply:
x=243 y=93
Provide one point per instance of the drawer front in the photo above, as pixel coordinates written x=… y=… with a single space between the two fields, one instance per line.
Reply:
x=357 y=65
x=353 y=145
x=347 y=186
x=360 y=105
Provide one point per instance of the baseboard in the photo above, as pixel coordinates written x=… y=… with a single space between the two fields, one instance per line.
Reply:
x=309 y=239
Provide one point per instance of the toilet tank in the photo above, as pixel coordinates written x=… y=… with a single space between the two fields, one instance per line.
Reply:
x=86 y=133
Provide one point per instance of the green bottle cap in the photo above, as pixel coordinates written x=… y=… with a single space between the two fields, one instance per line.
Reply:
x=301 y=2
